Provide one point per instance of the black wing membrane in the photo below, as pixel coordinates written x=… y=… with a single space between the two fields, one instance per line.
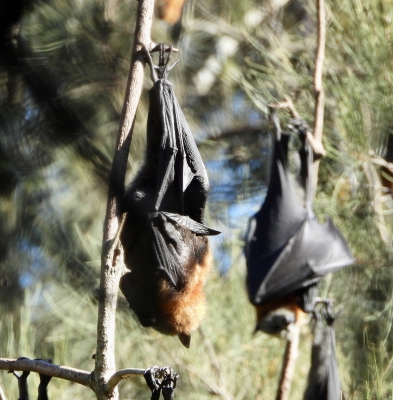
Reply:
x=287 y=248
x=163 y=235
x=314 y=251
x=323 y=378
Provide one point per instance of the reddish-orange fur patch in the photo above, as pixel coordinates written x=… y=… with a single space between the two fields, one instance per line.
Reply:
x=289 y=302
x=186 y=309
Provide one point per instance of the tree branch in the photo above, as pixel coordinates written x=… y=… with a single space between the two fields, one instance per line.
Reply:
x=121 y=374
x=319 y=92
x=70 y=374
x=112 y=260
x=320 y=57
x=290 y=357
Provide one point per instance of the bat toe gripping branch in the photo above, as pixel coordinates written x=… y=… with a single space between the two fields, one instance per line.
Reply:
x=327 y=310
x=161 y=70
x=161 y=379
x=22 y=382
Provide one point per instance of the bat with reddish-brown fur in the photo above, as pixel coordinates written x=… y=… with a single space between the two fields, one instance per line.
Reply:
x=164 y=238
x=287 y=250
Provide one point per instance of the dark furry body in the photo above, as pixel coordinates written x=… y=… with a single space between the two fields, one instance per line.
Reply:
x=168 y=262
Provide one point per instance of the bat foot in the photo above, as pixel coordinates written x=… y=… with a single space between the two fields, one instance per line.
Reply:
x=161 y=379
x=161 y=70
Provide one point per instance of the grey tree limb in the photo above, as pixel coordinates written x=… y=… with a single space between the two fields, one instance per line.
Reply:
x=70 y=374
x=112 y=260
x=121 y=374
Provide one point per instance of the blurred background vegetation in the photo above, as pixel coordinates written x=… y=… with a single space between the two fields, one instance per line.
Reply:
x=63 y=70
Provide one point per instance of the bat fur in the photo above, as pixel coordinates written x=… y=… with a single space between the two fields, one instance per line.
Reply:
x=164 y=239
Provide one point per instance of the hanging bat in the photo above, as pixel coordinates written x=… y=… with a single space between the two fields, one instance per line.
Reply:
x=287 y=250
x=323 y=380
x=164 y=238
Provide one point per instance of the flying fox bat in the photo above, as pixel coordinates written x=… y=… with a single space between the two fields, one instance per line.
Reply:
x=164 y=237
x=323 y=379
x=287 y=250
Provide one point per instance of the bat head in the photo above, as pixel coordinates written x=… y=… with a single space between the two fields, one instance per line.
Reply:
x=278 y=316
x=276 y=322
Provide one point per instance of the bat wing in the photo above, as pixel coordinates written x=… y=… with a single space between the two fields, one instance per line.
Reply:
x=179 y=161
x=167 y=249
x=271 y=228
x=193 y=226
x=315 y=250
x=287 y=249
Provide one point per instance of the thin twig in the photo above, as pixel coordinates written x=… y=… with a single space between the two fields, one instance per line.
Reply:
x=121 y=374
x=2 y=395
x=58 y=371
x=320 y=56
x=112 y=262
x=290 y=356
x=319 y=92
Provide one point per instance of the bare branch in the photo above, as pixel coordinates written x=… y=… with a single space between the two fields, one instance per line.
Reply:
x=290 y=356
x=286 y=104
x=381 y=162
x=121 y=374
x=70 y=374
x=319 y=92
x=112 y=260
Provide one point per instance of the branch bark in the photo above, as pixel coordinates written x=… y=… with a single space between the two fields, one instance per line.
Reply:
x=290 y=357
x=103 y=380
x=70 y=374
x=121 y=374
x=319 y=92
x=112 y=260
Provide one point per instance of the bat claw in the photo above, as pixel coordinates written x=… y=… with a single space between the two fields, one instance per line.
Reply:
x=299 y=126
x=161 y=379
x=161 y=70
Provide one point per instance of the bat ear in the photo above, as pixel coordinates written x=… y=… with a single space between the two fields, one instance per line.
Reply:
x=185 y=339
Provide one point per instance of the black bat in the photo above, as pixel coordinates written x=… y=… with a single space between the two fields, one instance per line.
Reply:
x=323 y=380
x=287 y=250
x=164 y=238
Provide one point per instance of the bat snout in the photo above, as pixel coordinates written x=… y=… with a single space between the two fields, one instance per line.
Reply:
x=185 y=339
x=276 y=322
